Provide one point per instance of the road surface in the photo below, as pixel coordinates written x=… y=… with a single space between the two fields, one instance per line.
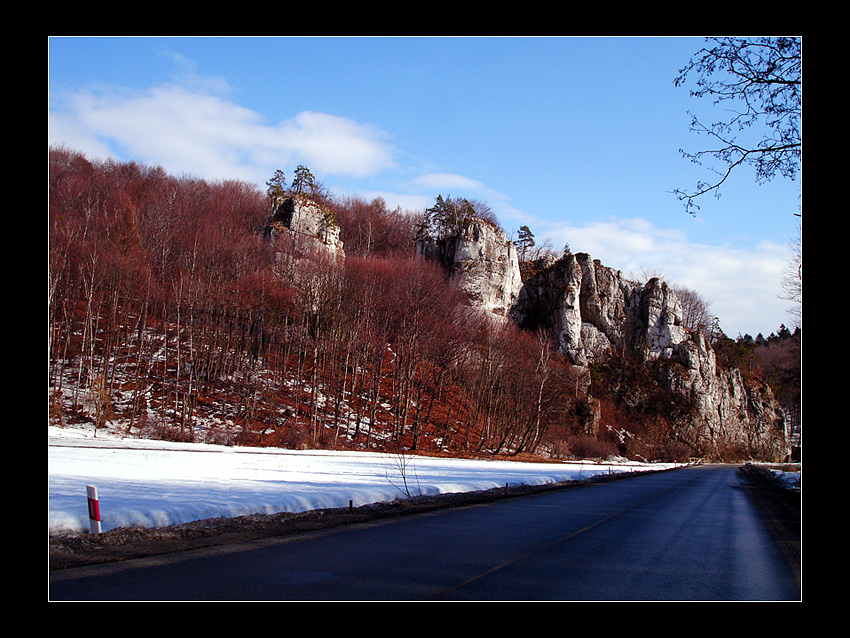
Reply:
x=690 y=534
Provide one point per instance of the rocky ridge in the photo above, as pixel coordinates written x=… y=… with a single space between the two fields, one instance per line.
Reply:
x=595 y=314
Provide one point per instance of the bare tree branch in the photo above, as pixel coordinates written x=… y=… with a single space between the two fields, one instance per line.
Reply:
x=764 y=77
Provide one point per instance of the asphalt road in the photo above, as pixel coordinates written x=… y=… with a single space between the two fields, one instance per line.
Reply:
x=685 y=535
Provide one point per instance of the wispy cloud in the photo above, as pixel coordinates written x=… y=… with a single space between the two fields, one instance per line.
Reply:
x=447 y=182
x=202 y=132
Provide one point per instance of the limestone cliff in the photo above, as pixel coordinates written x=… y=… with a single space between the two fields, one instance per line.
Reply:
x=481 y=262
x=306 y=224
x=595 y=314
x=592 y=310
x=599 y=317
x=727 y=410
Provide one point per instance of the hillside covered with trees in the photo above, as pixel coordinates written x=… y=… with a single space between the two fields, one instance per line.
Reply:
x=171 y=316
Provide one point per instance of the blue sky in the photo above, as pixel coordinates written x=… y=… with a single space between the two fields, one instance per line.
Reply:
x=577 y=138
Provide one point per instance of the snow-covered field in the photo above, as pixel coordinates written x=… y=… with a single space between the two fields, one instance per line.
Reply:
x=145 y=483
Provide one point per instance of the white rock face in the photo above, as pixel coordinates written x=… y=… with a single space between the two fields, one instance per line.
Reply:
x=593 y=312
x=481 y=262
x=726 y=407
x=306 y=223
x=663 y=320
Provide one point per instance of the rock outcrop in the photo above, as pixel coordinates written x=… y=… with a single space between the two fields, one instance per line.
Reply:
x=594 y=313
x=481 y=262
x=726 y=409
x=306 y=224
x=592 y=310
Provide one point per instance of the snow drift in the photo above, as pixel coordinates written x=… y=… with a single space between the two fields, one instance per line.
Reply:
x=146 y=483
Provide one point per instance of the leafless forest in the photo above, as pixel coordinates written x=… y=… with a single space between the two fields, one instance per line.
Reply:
x=170 y=315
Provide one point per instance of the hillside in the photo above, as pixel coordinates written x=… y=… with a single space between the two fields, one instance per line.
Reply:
x=182 y=310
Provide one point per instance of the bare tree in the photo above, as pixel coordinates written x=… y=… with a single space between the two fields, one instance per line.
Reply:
x=792 y=280
x=370 y=228
x=696 y=313
x=645 y=273
x=763 y=76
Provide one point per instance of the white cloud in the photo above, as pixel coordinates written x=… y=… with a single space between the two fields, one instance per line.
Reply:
x=68 y=130
x=461 y=186
x=447 y=182
x=334 y=145
x=200 y=132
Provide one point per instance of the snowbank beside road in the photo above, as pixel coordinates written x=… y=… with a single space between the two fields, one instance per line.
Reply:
x=144 y=483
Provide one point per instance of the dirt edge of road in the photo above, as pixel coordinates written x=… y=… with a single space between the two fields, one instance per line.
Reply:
x=124 y=544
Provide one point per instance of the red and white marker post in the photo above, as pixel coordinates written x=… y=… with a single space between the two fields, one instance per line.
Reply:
x=94 y=509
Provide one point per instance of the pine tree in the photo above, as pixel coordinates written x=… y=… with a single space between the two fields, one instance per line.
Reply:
x=525 y=240
x=276 y=185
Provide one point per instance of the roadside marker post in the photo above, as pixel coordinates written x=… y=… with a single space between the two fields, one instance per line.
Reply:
x=94 y=509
